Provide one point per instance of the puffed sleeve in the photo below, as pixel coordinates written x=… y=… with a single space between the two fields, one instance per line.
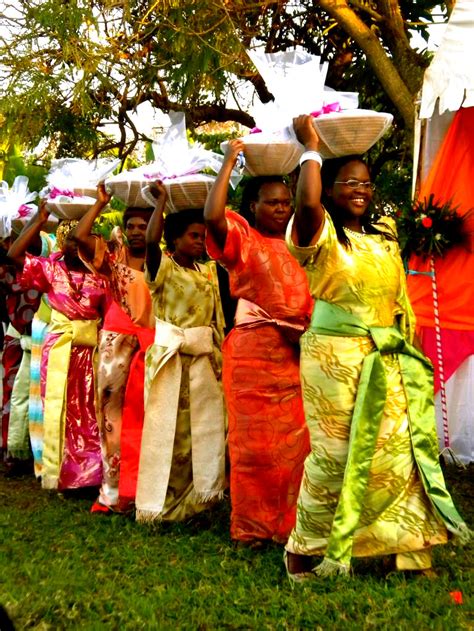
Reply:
x=37 y=274
x=308 y=253
x=162 y=273
x=48 y=243
x=237 y=244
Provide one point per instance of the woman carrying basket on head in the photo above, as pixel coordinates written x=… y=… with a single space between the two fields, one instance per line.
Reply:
x=372 y=484
x=182 y=459
x=268 y=439
x=71 y=453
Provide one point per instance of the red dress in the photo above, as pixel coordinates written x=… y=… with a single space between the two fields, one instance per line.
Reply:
x=268 y=438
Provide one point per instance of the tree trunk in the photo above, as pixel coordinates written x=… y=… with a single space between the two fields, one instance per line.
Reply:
x=377 y=57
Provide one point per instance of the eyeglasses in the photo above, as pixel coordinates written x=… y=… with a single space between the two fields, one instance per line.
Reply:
x=356 y=184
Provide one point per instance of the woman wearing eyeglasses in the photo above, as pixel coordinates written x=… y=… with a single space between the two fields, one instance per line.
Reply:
x=372 y=484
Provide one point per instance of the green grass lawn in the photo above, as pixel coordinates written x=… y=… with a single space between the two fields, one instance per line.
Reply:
x=62 y=568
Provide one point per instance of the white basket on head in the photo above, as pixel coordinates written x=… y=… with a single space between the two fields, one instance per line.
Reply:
x=50 y=225
x=69 y=208
x=350 y=131
x=265 y=155
x=188 y=191
x=128 y=188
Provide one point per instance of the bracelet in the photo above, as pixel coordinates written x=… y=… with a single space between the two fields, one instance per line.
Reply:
x=311 y=155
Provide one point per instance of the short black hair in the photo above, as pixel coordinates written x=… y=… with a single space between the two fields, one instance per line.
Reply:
x=251 y=192
x=176 y=224
x=133 y=211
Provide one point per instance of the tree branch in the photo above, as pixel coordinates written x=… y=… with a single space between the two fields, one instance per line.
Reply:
x=377 y=57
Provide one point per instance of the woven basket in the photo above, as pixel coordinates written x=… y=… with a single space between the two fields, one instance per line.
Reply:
x=69 y=210
x=188 y=192
x=350 y=132
x=276 y=157
x=89 y=190
x=50 y=225
x=129 y=191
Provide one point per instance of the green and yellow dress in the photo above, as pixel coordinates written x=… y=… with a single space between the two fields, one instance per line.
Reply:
x=372 y=483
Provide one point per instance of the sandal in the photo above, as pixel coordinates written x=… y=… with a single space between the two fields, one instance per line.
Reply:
x=296 y=577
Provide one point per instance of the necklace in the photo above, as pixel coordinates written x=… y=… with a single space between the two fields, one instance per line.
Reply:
x=194 y=267
x=354 y=233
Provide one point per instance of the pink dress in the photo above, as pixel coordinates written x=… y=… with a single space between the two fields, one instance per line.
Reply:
x=78 y=296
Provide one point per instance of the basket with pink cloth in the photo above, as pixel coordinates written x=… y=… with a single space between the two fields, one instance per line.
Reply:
x=184 y=169
x=297 y=82
x=72 y=185
x=16 y=205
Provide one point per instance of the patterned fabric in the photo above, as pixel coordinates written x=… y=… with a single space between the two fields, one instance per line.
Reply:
x=127 y=332
x=18 y=434
x=39 y=329
x=21 y=305
x=64 y=231
x=11 y=360
x=115 y=355
x=397 y=516
x=268 y=438
x=127 y=285
x=185 y=298
x=206 y=415
x=80 y=458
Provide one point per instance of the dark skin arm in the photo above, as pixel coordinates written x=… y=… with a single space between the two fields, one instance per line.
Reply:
x=309 y=213
x=28 y=236
x=82 y=234
x=154 y=230
x=214 y=210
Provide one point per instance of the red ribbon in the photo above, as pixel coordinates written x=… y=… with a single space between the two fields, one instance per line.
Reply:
x=24 y=211
x=133 y=410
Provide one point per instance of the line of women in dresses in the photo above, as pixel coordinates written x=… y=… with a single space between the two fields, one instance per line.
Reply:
x=344 y=464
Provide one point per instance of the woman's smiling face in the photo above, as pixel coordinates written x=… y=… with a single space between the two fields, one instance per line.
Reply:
x=351 y=202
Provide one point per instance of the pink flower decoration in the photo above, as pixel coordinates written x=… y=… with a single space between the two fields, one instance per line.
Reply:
x=56 y=192
x=24 y=211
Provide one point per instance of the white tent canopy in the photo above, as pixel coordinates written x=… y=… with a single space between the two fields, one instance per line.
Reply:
x=450 y=76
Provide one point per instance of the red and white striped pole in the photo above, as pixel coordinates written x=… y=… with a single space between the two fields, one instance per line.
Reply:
x=446 y=451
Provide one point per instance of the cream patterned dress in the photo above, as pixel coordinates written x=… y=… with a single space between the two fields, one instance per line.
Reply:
x=184 y=298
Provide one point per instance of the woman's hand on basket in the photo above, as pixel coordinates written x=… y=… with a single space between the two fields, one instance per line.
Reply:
x=158 y=190
x=305 y=132
x=234 y=147
x=43 y=211
x=103 y=197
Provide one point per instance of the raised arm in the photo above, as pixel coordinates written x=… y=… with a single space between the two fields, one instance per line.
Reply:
x=82 y=233
x=309 y=212
x=154 y=231
x=28 y=236
x=214 y=210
